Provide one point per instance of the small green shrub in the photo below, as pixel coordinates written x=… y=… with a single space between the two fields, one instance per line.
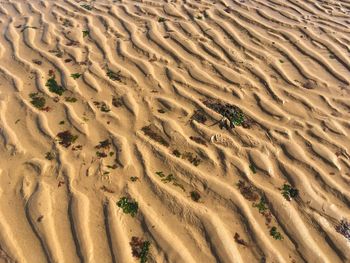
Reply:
x=37 y=101
x=105 y=144
x=50 y=156
x=54 y=87
x=140 y=249
x=170 y=178
x=86 y=33
x=113 y=76
x=75 y=75
x=232 y=113
x=275 y=234
x=101 y=154
x=71 y=99
x=66 y=138
x=195 y=196
x=252 y=168
x=129 y=206
x=261 y=205
x=289 y=192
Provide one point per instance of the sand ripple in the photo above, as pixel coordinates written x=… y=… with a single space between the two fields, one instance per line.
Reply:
x=144 y=76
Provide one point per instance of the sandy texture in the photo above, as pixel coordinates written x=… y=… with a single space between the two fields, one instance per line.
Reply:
x=146 y=115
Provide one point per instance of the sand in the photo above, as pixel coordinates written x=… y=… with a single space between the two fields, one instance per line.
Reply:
x=223 y=124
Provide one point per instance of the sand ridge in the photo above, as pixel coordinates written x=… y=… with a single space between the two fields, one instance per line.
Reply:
x=101 y=100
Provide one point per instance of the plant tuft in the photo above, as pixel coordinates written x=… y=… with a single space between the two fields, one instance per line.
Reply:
x=86 y=33
x=87 y=7
x=140 y=249
x=75 y=75
x=261 y=205
x=195 y=196
x=275 y=234
x=289 y=192
x=37 y=101
x=54 y=87
x=232 y=113
x=66 y=138
x=129 y=206
x=113 y=76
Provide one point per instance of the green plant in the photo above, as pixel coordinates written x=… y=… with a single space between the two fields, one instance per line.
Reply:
x=236 y=117
x=343 y=228
x=144 y=252
x=112 y=75
x=275 y=234
x=75 y=75
x=165 y=179
x=160 y=174
x=103 y=144
x=289 y=192
x=140 y=249
x=195 y=196
x=252 y=168
x=66 y=138
x=54 y=87
x=177 y=153
x=37 y=101
x=101 y=154
x=71 y=99
x=50 y=156
x=86 y=33
x=114 y=166
x=104 y=107
x=232 y=113
x=170 y=178
x=193 y=159
x=129 y=206
x=156 y=134
x=87 y=7
x=261 y=205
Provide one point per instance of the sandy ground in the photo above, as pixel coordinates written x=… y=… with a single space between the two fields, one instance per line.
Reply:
x=190 y=131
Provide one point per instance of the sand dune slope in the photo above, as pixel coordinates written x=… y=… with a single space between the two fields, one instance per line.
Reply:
x=105 y=99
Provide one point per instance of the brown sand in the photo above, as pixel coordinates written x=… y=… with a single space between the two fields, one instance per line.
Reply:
x=284 y=63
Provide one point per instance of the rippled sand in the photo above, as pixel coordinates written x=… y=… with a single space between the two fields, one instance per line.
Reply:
x=142 y=117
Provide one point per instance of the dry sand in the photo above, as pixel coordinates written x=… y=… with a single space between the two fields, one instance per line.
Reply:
x=153 y=77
